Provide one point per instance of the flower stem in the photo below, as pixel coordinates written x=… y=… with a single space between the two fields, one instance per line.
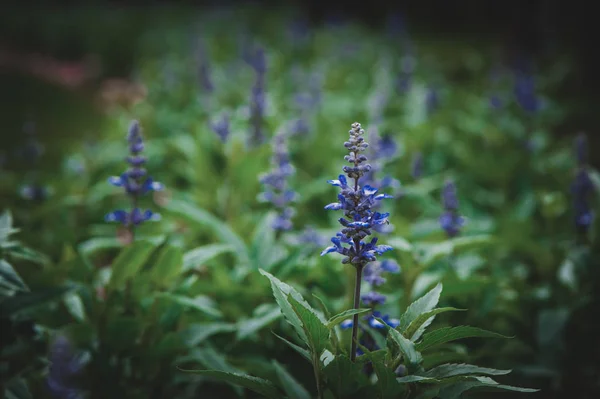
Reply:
x=359 y=269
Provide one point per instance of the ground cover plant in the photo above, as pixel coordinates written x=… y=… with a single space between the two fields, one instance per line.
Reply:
x=456 y=245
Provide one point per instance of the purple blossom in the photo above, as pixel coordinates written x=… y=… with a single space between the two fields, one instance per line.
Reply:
x=417 y=166
x=276 y=185
x=65 y=365
x=357 y=203
x=257 y=60
x=135 y=182
x=450 y=220
x=221 y=127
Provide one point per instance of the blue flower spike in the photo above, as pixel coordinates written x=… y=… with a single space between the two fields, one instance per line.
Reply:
x=136 y=182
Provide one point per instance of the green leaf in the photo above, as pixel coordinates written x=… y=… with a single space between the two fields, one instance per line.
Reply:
x=210 y=358
x=129 y=262
x=20 y=252
x=264 y=249
x=24 y=301
x=323 y=306
x=258 y=385
x=447 y=334
x=219 y=227
x=338 y=318
x=387 y=385
x=93 y=245
x=456 y=369
x=250 y=326
x=6 y=228
x=417 y=378
x=454 y=391
x=123 y=332
x=424 y=304
x=418 y=325
x=398 y=343
x=201 y=302
x=316 y=331
x=200 y=255
x=17 y=389
x=167 y=266
x=281 y=291
x=343 y=376
x=198 y=332
x=292 y=388
x=10 y=281
x=305 y=354
x=75 y=306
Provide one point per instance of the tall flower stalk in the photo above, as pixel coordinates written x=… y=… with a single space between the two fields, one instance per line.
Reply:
x=136 y=183
x=258 y=63
x=276 y=184
x=450 y=221
x=359 y=219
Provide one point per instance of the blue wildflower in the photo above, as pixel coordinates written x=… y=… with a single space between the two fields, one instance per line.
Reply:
x=204 y=68
x=258 y=62
x=582 y=187
x=382 y=151
x=374 y=270
x=495 y=101
x=417 y=166
x=524 y=91
x=357 y=203
x=373 y=298
x=65 y=365
x=359 y=220
x=135 y=182
x=31 y=152
x=450 y=220
x=408 y=64
x=34 y=192
x=276 y=185
x=432 y=100
x=221 y=127
x=372 y=322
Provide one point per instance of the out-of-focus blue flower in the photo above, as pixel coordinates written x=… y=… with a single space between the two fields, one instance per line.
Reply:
x=312 y=238
x=495 y=101
x=581 y=150
x=257 y=60
x=582 y=187
x=382 y=151
x=64 y=367
x=357 y=203
x=135 y=182
x=221 y=127
x=372 y=322
x=524 y=91
x=31 y=152
x=373 y=298
x=204 y=68
x=299 y=31
x=33 y=192
x=432 y=100
x=276 y=185
x=396 y=24
x=450 y=220
x=374 y=270
x=417 y=166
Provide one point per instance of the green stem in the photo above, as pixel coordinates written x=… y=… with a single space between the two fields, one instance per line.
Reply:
x=359 y=269
x=317 y=377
